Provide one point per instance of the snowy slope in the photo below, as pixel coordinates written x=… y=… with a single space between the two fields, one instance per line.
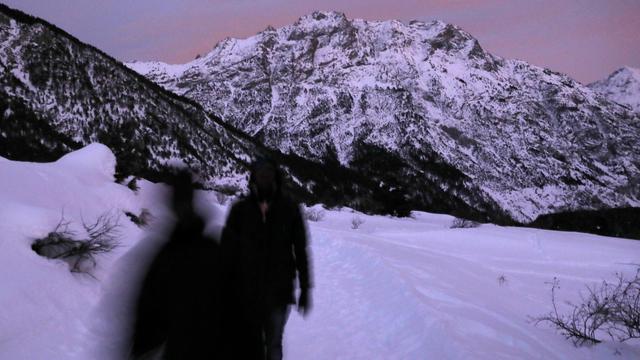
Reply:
x=58 y=94
x=526 y=140
x=51 y=313
x=396 y=288
x=46 y=308
x=622 y=86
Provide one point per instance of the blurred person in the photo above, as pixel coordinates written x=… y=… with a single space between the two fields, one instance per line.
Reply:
x=178 y=308
x=264 y=247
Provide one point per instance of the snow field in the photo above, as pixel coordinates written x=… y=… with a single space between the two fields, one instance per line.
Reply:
x=433 y=292
x=395 y=288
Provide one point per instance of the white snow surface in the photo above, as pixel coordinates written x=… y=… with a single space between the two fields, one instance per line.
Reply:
x=395 y=288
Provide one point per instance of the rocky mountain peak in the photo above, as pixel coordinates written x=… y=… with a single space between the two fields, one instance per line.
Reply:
x=628 y=71
x=321 y=18
x=622 y=86
x=319 y=24
x=624 y=76
x=269 y=29
x=455 y=41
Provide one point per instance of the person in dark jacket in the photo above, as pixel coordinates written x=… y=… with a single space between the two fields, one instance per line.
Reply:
x=264 y=244
x=178 y=308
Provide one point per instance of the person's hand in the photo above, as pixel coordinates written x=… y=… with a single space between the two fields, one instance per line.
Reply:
x=304 y=302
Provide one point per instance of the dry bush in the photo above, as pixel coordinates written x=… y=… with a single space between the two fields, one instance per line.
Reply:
x=313 y=214
x=356 y=221
x=609 y=309
x=133 y=184
x=141 y=220
x=61 y=243
x=459 y=223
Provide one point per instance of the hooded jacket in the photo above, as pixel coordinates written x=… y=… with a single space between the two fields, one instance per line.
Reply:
x=265 y=256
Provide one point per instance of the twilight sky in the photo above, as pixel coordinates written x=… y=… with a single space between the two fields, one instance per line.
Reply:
x=587 y=39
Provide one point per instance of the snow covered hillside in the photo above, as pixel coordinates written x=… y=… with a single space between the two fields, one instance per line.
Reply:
x=423 y=102
x=58 y=94
x=394 y=288
x=622 y=86
x=46 y=308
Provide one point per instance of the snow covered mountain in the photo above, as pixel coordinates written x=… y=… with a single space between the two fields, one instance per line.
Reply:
x=420 y=106
x=622 y=86
x=58 y=94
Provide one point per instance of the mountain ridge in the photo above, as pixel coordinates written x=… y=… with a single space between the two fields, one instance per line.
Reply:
x=528 y=139
x=621 y=86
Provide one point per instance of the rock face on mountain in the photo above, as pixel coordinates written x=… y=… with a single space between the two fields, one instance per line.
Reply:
x=622 y=86
x=420 y=106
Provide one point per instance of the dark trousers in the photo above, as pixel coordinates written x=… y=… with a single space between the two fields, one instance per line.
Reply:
x=274 y=322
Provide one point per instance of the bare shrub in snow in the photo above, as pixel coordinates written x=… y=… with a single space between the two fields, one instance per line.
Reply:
x=61 y=243
x=141 y=220
x=133 y=184
x=57 y=243
x=356 y=221
x=313 y=214
x=502 y=280
x=459 y=223
x=608 y=309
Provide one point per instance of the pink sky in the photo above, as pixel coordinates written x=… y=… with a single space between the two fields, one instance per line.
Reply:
x=587 y=39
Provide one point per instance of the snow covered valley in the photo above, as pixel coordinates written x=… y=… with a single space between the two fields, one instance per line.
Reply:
x=392 y=288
